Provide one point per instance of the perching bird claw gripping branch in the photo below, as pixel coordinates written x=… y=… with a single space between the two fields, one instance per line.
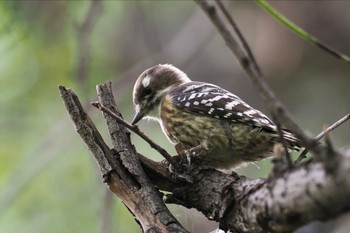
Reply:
x=240 y=204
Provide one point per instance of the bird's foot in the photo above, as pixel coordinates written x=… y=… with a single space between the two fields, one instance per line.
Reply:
x=196 y=151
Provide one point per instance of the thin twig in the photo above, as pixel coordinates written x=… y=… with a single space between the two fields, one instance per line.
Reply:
x=249 y=53
x=285 y=147
x=321 y=135
x=137 y=131
x=327 y=139
x=245 y=56
x=275 y=106
x=334 y=126
x=239 y=34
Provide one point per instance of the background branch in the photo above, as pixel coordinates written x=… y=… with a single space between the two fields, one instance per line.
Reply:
x=278 y=110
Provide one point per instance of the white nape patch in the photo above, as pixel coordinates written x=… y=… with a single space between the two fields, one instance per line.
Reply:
x=187 y=104
x=231 y=105
x=146 y=81
x=181 y=75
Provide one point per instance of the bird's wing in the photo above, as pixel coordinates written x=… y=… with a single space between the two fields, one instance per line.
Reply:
x=213 y=101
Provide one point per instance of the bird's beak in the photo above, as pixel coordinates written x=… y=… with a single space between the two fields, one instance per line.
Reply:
x=138 y=116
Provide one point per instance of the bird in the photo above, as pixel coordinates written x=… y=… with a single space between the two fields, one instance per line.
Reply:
x=204 y=119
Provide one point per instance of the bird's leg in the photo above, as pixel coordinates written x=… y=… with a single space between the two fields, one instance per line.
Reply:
x=181 y=152
x=183 y=171
x=180 y=171
x=201 y=149
x=196 y=151
x=180 y=149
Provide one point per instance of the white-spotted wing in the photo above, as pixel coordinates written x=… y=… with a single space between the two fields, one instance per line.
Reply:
x=214 y=101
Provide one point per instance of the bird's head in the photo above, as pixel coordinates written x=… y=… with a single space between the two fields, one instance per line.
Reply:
x=151 y=86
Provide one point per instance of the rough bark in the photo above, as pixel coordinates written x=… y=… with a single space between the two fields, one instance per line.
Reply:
x=287 y=199
x=120 y=167
x=290 y=197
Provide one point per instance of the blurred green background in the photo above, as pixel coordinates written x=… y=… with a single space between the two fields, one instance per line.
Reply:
x=48 y=180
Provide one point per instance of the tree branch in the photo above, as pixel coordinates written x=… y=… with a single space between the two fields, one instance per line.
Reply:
x=333 y=126
x=281 y=203
x=321 y=135
x=121 y=169
x=316 y=190
x=136 y=130
x=277 y=109
x=286 y=200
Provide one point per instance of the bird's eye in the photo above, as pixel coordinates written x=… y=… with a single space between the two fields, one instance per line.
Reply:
x=147 y=91
x=145 y=75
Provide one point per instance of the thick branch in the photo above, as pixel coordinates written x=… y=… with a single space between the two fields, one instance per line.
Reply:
x=317 y=190
x=136 y=130
x=310 y=192
x=121 y=169
x=86 y=129
x=313 y=191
